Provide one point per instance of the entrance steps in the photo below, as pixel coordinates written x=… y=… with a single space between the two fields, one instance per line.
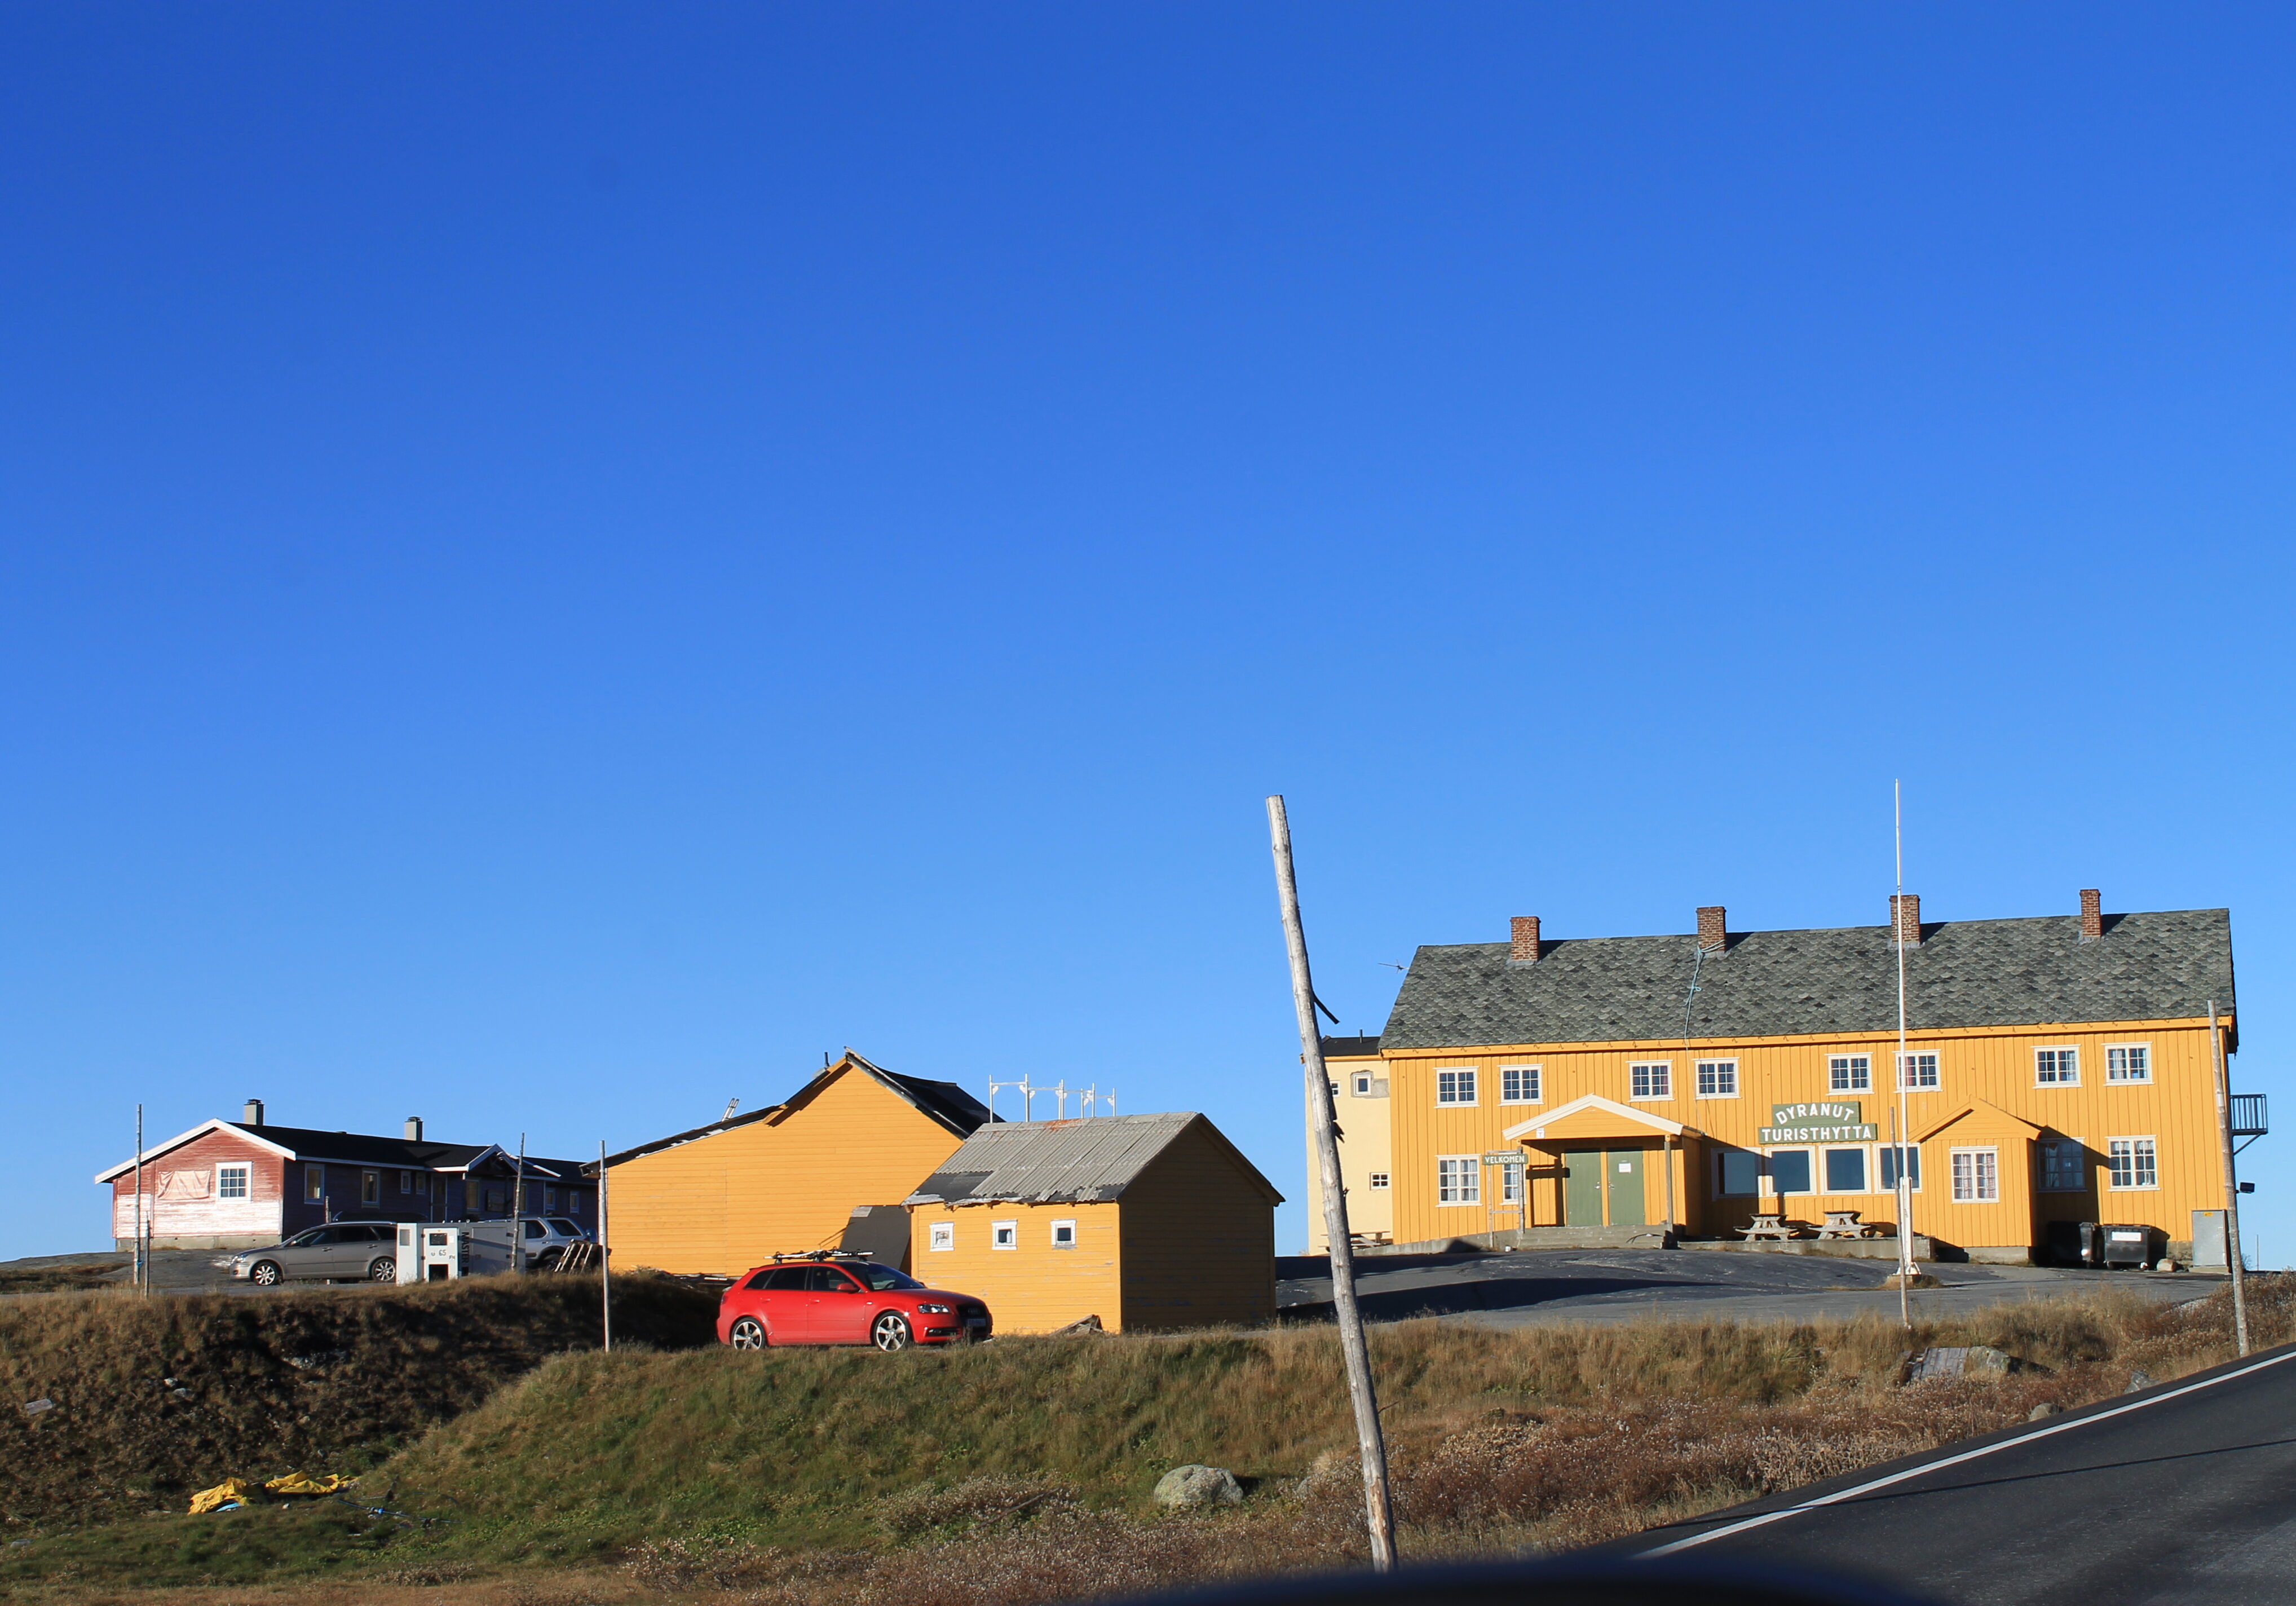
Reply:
x=1658 y=1237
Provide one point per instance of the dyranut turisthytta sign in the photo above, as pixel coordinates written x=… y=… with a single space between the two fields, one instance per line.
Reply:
x=1832 y=1121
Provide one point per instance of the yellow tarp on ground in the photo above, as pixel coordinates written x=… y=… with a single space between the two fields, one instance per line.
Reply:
x=293 y=1483
x=229 y=1489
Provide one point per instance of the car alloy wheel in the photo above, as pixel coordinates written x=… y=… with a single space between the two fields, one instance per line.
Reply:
x=748 y=1334
x=383 y=1270
x=265 y=1275
x=890 y=1334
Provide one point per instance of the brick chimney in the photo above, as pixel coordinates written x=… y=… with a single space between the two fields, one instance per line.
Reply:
x=1906 y=919
x=2092 y=915
x=1526 y=940
x=1713 y=927
x=414 y=1128
x=252 y=1116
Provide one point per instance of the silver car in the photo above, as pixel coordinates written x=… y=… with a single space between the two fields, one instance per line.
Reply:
x=342 y=1251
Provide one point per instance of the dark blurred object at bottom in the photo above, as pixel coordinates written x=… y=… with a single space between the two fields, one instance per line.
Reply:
x=1605 y=1581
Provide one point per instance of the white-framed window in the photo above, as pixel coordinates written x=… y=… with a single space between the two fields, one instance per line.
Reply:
x=370 y=1187
x=1521 y=1085
x=1651 y=1080
x=1737 y=1174
x=2064 y=1168
x=943 y=1235
x=1789 y=1171
x=1888 y=1154
x=2132 y=1163
x=1849 y=1073
x=1363 y=1084
x=2057 y=1068
x=1378 y=1179
x=2128 y=1062
x=1511 y=1183
x=1917 y=1071
x=232 y=1181
x=315 y=1183
x=1717 y=1078
x=1334 y=1086
x=1455 y=1086
x=1064 y=1235
x=1845 y=1171
x=1459 y=1179
x=1003 y=1234
x=407 y=1182
x=573 y=1201
x=1976 y=1177
x=549 y=1201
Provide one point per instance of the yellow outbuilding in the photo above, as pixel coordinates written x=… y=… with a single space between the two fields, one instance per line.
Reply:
x=1142 y=1221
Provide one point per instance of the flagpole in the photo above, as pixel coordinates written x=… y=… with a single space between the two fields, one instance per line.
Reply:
x=1904 y=1126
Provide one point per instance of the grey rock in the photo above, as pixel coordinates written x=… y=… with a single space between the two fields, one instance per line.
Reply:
x=2139 y=1380
x=33 y=1407
x=2047 y=1408
x=1194 y=1488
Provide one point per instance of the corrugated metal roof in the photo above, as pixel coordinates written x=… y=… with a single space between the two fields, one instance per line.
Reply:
x=1086 y=1161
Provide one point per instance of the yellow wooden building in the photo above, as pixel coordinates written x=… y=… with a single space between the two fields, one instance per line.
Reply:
x=720 y=1199
x=1359 y=1094
x=2056 y=1071
x=1144 y=1221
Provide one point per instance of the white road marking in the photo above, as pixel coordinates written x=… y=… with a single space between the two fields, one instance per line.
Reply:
x=1927 y=1467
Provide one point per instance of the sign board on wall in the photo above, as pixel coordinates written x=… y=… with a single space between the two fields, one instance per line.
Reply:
x=1829 y=1121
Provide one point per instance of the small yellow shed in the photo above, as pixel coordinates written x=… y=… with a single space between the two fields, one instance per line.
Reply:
x=1145 y=1221
x=722 y=1198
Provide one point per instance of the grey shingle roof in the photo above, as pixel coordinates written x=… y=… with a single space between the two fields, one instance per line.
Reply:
x=1086 y=1161
x=1965 y=973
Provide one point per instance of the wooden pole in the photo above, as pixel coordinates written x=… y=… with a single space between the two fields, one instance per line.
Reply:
x=1379 y=1513
x=136 y=1252
x=1666 y=1146
x=605 y=1282
x=2231 y=1184
x=518 y=1211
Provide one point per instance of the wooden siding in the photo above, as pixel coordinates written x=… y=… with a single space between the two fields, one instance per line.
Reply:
x=1995 y=1065
x=180 y=1203
x=1031 y=1287
x=1364 y=1147
x=1198 y=1238
x=724 y=1203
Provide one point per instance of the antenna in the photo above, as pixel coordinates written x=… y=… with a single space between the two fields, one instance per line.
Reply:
x=730 y=1105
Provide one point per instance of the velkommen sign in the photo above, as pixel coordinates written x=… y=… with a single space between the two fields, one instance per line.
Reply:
x=1834 y=1121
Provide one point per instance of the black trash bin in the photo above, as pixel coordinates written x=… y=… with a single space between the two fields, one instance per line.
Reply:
x=2127 y=1243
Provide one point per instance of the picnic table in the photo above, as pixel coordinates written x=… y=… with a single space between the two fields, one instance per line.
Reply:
x=1768 y=1226
x=1844 y=1223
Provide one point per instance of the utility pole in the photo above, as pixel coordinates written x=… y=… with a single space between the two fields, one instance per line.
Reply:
x=1379 y=1513
x=1902 y=1126
x=605 y=1282
x=136 y=1251
x=2231 y=1182
x=518 y=1211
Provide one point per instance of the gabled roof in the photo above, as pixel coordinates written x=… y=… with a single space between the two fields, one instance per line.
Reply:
x=1596 y=1101
x=944 y=1102
x=1090 y=1160
x=2165 y=965
x=354 y=1149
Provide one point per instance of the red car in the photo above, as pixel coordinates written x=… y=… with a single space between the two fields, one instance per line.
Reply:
x=843 y=1301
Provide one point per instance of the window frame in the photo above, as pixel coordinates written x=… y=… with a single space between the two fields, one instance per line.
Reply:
x=1909 y=1061
x=1836 y=1073
x=1472 y=1085
x=2056 y=1077
x=1537 y=1075
x=2151 y=1147
x=1886 y=1158
x=246 y=1175
x=1467 y=1170
x=2049 y=1147
x=2126 y=1080
x=1722 y=1157
x=1770 y=1157
x=1864 y=1169
x=1380 y=1180
x=1069 y=1223
x=941 y=1236
x=1004 y=1236
x=1664 y=1081
x=1359 y=1085
x=315 y=1183
x=1698 y=1070
x=1975 y=1153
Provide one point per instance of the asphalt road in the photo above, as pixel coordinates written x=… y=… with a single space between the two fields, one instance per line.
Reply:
x=1538 y=1286
x=2182 y=1495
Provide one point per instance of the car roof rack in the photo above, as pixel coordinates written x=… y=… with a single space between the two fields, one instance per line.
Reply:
x=824 y=1255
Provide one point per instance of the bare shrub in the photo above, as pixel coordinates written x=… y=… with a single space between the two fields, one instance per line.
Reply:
x=991 y=1501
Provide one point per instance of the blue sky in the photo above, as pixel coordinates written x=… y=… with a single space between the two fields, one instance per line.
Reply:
x=560 y=562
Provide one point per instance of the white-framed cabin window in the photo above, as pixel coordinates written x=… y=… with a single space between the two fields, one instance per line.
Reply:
x=1378 y=1179
x=1845 y=1171
x=1064 y=1235
x=1789 y=1171
x=232 y=1182
x=1849 y=1073
x=1456 y=1086
x=943 y=1235
x=1717 y=1078
x=2128 y=1062
x=1917 y=1073
x=1362 y=1084
x=1511 y=1183
x=2132 y=1164
x=1889 y=1155
x=315 y=1183
x=1522 y=1084
x=2057 y=1068
x=1651 y=1080
x=1459 y=1179
x=1003 y=1234
x=2064 y=1168
x=1976 y=1175
x=1737 y=1174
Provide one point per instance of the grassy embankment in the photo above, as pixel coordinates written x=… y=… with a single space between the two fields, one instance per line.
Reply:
x=1017 y=1472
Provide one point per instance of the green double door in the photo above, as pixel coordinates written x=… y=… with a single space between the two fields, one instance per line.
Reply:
x=1603 y=1186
